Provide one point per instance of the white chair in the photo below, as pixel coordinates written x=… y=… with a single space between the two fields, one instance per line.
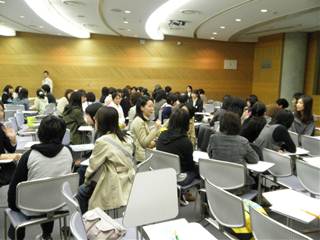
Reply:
x=76 y=224
x=219 y=173
x=153 y=198
x=9 y=114
x=20 y=119
x=14 y=107
x=309 y=176
x=282 y=170
x=143 y=166
x=209 y=107
x=264 y=227
x=227 y=209
x=50 y=109
x=312 y=144
x=41 y=196
x=295 y=138
x=66 y=137
x=160 y=160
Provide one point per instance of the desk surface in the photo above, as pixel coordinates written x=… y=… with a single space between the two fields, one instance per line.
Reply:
x=85 y=129
x=199 y=154
x=300 y=151
x=177 y=229
x=260 y=167
x=82 y=147
x=314 y=161
x=294 y=204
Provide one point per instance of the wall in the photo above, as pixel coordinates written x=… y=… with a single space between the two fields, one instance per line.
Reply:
x=311 y=71
x=118 y=61
x=267 y=68
x=293 y=64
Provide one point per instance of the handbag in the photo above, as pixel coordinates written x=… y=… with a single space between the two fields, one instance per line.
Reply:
x=100 y=226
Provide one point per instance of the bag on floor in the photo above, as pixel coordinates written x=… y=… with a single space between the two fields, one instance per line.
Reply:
x=99 y=226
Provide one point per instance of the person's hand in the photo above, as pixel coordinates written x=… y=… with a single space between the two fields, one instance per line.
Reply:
x=77 y=162
x=13 y=156
x=11 y=134
x=158 y=124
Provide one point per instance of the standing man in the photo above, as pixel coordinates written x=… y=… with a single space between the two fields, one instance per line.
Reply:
x=47 y=80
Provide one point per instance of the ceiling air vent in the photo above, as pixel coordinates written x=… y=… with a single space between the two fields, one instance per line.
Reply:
x=73 y=3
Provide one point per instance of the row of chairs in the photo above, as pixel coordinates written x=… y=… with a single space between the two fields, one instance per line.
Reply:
x=310 y=143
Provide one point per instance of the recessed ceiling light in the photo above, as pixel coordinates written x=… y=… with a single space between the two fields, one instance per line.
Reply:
x=238 y=20
x=40 y=26
x=222 y=27
x=212 y=38
x=129 y=30
x=215 y=33
x=3 y=2
x=127 y=11
x=264 y=10
x=21 y=16
x=126 y=22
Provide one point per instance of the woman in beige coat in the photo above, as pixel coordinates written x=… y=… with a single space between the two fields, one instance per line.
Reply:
x=111 y=171
x=144 y=136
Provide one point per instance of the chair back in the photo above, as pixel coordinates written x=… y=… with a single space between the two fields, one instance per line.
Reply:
x=20 y=119
x=13 y=123
x=143 y=166
x=68 y=195
x=44 y=195
x=311 y=144
x=223 y=174
x=295 y=138
x=14 y=107
x=66 y=137
x=153 y=198
x=264 y=227
x=160 y=160
x=9 y=114
x=77 y=227
x=209 y=107
x=205 y=132
x=282 y=163
x=50 y=109
x=226 y=208
x=309 y=176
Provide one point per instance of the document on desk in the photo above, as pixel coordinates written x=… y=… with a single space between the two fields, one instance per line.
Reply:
x=294 y=204
x=314 y=161
x=199 y=154
x=299 y=151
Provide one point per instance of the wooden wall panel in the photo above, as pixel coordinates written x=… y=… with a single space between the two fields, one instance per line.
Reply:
x=266 y=81
x=118 y=61
x=311 y=68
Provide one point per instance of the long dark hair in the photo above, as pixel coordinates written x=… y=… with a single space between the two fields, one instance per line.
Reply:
x=107 y=119
x=75 y=99
x=306 y=115
x=23 y=93
x=179 y=121
x=142 y=101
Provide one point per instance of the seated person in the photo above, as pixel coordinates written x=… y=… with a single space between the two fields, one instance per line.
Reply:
x=175 y=140
x=282 y=103
x=303 y=123
x=275 y=136
x=48 y=159
x=8 y=143
x=253 y=125
x=228 y=145
x=110 y=174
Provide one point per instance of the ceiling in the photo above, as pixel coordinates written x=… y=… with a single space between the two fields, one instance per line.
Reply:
x=203 y=19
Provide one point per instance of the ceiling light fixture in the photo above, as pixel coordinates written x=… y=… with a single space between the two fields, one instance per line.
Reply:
x=40 y=26
x=264 y=10
x=6 y=31
x=238 y=20
x=222 y=27
x=215 y=33
x=212 y=38
x=126 y=22
x=48 y=13
x=127 y=11
x=152 y=26
x=3 y=2
x=21 y=16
